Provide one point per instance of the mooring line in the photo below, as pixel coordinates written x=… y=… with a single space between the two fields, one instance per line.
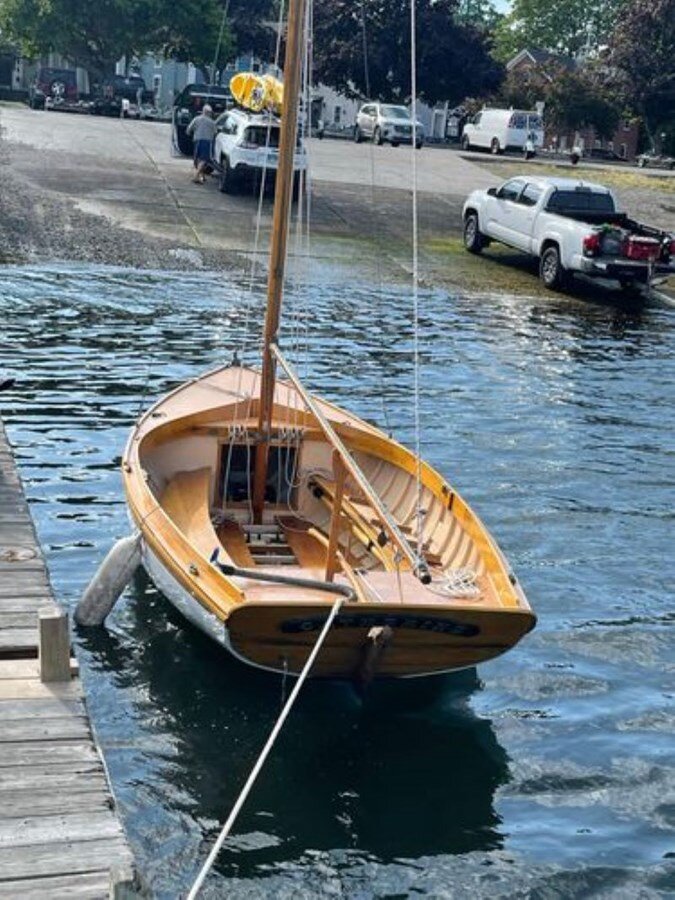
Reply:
x=194 y=890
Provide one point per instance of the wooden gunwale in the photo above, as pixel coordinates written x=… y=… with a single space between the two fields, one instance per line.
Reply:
x=360 y=437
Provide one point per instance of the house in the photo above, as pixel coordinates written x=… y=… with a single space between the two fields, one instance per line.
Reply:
x=624 y=142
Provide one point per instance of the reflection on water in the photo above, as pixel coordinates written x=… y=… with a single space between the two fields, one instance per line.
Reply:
x=552 y=418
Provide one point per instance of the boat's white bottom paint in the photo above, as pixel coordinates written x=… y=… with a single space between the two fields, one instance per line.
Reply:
x=211 y=626
x=192 y=609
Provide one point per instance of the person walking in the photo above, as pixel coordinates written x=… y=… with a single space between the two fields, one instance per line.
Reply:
x=203 y=130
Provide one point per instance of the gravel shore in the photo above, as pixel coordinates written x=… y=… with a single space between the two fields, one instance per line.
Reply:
x=38 y=225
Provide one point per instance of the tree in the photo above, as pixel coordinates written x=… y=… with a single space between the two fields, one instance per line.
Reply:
x=559 y=26
x=481 y=13
x=96 y=33
x=574 y=98
x=363 y=49
x=642 y=62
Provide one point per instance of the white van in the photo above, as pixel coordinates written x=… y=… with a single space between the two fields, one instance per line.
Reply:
x=497 y=130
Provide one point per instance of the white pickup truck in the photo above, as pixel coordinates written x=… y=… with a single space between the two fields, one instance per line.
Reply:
x=571 y=226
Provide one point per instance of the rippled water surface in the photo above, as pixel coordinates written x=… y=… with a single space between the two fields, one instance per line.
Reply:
x=550 y=773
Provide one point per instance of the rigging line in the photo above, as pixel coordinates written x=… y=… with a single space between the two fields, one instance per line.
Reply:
x=250 y=339
x=226 y=9
x=265 y=752
x=304 y=323
x=415 y=276
x=299 y=180
x=378 y=230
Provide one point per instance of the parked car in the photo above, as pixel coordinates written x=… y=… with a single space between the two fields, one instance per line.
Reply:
x=386 y=123
x=247 y=144
x=497 y=130
x=189 y=103
x=570 y=226
x=53 y=86
x=119 y=95
x=657 y=160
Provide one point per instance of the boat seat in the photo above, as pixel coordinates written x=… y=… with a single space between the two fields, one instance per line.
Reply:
x=185 y=500
x=233 y=539
x=308 y=550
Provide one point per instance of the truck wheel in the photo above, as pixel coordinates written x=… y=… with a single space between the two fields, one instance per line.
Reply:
x=466 y=143
x=474 y=239
x=495 y=149
x=551 y=270
x=226 y=179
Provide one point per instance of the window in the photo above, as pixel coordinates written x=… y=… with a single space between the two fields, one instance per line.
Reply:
x=531 y=195
x=518 y=120
x=476 y=120
x=623 y=151
x=156 y=84
x=337 y=115
x=510 y=191
x=580 y=201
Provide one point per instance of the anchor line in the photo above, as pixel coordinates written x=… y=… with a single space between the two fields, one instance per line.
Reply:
x=241 y=799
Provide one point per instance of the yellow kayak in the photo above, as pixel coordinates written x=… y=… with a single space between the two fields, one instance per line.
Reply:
x=257 y=92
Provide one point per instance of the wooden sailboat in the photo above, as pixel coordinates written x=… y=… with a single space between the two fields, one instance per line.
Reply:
x=258 y=504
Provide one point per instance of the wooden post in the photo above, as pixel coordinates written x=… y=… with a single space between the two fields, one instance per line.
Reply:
x=54 y=645
x=336 y=517
x=122 y=884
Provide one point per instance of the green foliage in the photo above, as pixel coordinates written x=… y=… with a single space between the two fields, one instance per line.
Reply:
x=480 y=13
x=574 y=98
x=96 y=33
x=642 y=63
x=559 y=26
x=452 y=59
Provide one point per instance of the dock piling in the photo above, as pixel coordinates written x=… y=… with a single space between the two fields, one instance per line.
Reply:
x=54 y=645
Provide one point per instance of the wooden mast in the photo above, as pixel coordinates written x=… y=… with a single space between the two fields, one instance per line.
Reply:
x=282 y=208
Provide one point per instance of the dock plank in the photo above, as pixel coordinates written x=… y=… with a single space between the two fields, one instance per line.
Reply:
x=28 y=753
x=26 y=689
x=85 y=886
x=45 y=729
x=62 y=858
x=39 y=708
x=38 y=778
x=58 y=829
x=49 y=801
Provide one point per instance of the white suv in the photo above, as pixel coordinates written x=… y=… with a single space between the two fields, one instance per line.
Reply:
x=385 y=122
x=245 y=145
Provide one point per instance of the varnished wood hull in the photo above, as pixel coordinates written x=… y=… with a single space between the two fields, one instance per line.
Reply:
x=406 y=630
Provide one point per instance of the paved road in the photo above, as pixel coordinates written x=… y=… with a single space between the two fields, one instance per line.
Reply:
x=127 y=171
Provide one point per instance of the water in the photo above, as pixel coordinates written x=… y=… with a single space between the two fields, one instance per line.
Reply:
x=551 y=773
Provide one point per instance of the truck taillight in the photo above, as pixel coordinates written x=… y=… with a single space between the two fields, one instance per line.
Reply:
x=591 y=244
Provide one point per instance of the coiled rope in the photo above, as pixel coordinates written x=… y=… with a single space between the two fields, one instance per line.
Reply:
x=206 y=868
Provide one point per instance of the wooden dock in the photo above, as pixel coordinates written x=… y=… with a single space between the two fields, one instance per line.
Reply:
x=59 y=833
